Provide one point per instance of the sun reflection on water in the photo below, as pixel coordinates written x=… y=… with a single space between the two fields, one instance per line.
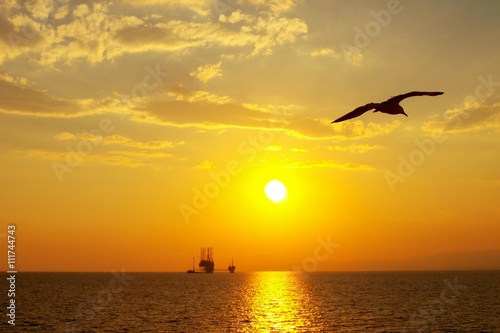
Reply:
x=276 y=302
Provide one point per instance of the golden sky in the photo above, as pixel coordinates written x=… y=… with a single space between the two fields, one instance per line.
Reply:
x=135 y=132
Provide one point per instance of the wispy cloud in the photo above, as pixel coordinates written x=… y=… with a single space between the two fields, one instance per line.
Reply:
x=96 y=33
x=116 y=139
x=325 y=52
x=207 y=72
x=131 y=159
x=327 y=164
x=205 y=165
x=311 y=128
x=473 y=115
x=356 y=148
x=219 y=115
x=18 y=99
x=275 y=6
x=273 y=148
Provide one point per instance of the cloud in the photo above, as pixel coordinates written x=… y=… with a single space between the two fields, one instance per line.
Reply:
x=356 y=148
x=327 y=164
x=116 y=139
x=207 y=72
x=18 y=81
x=42 y=154
x=203 y=6
x=274 y=31
x=25 y=101
x=275 y=6
x=89 y=35
x=262 y=33
x=204 y=115
x=213 y=113
x=81 y=11
x=236 y=17
x=325 y=52
x=65 y=136
x=354 y=57
x=130 y=159
x=472 y=115
x=61 y=12
x=310 y=128
x=181 y=93
x=144 y=36
x=96 y=33
x=20 y=33
x=200 y=7
x=205 y=165
x=179 y=90
x=140 y=154
x=62 y=155
x=273 y=148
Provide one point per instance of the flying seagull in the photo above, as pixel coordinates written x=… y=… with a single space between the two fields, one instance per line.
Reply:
x=391 y=106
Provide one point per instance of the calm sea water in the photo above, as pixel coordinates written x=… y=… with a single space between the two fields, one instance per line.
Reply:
x=256 y=302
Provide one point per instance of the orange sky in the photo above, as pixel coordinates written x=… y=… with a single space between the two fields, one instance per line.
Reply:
x=134 y=133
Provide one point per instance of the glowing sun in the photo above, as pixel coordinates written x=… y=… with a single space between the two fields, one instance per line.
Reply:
x=276 y=191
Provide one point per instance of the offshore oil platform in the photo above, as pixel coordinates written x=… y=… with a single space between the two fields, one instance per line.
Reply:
x=207 y=264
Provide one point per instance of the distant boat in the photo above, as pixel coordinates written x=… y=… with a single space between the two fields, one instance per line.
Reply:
x=231 y=267
x=192 y=270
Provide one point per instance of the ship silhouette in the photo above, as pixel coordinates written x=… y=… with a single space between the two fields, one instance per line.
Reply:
x=231 y=267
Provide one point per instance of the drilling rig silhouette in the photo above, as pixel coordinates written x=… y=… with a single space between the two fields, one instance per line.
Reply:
x=207 y=259
x=206 y=264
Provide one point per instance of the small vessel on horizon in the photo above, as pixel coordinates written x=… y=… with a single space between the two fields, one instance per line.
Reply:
x=231 y=267
x=191 y=270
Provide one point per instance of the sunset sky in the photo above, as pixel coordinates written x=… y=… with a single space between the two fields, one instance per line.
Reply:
x=135 y=132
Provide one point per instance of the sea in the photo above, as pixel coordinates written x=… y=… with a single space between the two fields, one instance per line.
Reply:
x=120 y=301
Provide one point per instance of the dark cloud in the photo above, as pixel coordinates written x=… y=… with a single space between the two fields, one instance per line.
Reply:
x=6 y=27
x=208 y=114
x=474 y=117
x=19 y=37
x=139 y=35
x=14 y=98
x=179 y=89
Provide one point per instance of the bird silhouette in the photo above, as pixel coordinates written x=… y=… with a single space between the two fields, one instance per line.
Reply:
x=391 y=106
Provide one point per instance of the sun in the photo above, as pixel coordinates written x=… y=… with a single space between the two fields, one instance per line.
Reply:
x=276 y=191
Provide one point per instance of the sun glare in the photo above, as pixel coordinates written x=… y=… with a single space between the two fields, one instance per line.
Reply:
x=276 y=191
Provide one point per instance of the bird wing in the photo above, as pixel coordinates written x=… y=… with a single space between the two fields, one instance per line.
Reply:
x=399 y=98
x=356 y=112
